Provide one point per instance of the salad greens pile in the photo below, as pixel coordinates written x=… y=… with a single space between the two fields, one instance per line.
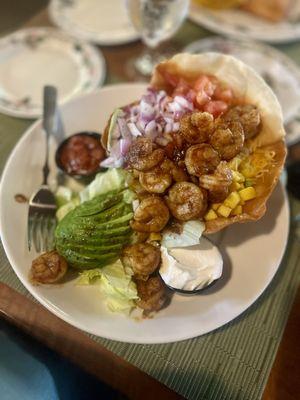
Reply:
x=119 y=289
x=92 y=230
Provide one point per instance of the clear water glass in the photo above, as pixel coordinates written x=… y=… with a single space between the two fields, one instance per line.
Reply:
x=156 y=21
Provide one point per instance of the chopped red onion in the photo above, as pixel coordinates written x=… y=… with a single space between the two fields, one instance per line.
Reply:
x=133 y=129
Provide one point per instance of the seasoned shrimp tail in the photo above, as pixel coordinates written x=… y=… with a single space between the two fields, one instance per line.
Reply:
x=152 y=293
x=201 y=159
x=152 y=215
x=142 y=154
x=157 y=180
x=196 y=127
x=217 y=184
x=248 y=116
x=228 y=139
x=187 y=201
x=142 y=258
x=49 y=267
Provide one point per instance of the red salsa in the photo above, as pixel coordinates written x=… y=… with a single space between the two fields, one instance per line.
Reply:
x=81 y=154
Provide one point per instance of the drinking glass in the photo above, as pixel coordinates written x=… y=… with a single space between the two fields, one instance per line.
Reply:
x=156 y=21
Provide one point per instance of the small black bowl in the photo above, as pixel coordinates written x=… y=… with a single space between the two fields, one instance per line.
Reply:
x=63 y=144
x=189 y=292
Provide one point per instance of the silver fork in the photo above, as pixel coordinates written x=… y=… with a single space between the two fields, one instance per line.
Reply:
x=42 y=206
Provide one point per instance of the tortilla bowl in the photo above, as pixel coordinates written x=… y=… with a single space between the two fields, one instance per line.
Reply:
x=249 y=88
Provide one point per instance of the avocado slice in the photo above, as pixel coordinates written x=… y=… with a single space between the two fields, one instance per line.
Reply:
x=98 y=241
x=97 y=204
x=88 y=261
x=94 y=233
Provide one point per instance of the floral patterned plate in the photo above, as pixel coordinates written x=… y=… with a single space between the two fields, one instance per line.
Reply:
x=242 y=24
x=278 y=70
x=98 y=21
x=32 y=58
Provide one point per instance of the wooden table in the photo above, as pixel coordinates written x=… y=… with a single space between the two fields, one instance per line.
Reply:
x=284 y=380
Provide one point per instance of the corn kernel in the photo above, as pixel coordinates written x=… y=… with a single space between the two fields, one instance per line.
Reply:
x=232 y=200
x=238 y=177
x=154 y=236
x=215 y=206
x=235 y=186
x=224 y=211
x=210 y=215
x=247 y=193
x=234 y=163
x=237 y=210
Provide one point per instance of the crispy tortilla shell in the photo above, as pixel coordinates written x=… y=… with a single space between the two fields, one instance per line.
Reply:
x=250 y=88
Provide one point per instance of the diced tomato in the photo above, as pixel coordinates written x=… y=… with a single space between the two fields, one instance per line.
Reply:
x=223 y=94
x=205 y=84
x=191 y=96
x=216 y=107
x=202 y=98
x=182 y=88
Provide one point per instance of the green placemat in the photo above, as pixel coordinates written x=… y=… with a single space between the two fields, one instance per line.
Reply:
x=230 y=363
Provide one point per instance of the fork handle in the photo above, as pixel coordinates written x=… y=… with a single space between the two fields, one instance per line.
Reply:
x=49 y=108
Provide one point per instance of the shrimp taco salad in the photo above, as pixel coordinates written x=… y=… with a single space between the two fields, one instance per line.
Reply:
x=202 y=149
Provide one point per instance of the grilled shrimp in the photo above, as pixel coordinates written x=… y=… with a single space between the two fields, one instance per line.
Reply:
x=177 y=173
x=142 y=154
x=187 y=201
x=218 y=183
x=157 y=180
x=143 y=258
x=201 y=159
x=152 y=294
x=248 y=116
x=196 y=127
x=228 y=139
x=152 y=215
x=49 y=267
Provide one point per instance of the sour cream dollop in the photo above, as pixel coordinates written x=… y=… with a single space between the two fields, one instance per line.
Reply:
x=191 y=268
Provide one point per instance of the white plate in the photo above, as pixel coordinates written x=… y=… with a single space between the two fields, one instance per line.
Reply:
x=32 y=58
x=251 y=252
x=241 y=24
x=98 y=21
x=279 y=71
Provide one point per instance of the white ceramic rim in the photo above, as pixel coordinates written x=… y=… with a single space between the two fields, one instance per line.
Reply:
x=72 y=29
x=216 y=26
x=95 y=55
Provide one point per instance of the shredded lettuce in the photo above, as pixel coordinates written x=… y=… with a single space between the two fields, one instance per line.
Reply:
x=63 y=195
x=119 y=289
x=112 y=179
x=190 y=235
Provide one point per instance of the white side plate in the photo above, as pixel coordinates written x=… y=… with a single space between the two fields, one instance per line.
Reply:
x=32 y=58
x=241 y=24
x=97 y=21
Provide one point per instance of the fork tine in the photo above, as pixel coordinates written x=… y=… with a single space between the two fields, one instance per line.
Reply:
x=30 y=232
x=37 y=233
x=51 y=232
x=45 y=233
